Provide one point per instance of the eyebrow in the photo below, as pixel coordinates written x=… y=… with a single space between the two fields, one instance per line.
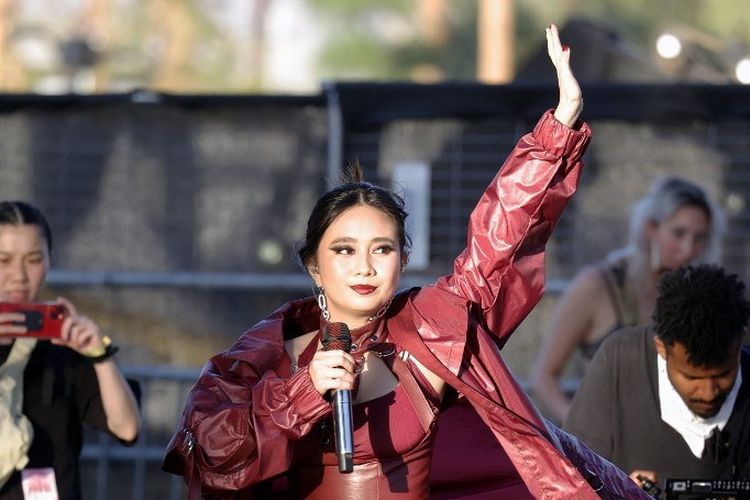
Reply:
x=40 y=252
x=348 y=239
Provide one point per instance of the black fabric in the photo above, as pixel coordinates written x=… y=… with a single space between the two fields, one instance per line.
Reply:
x=717 y=447
x=367 y=106
x=60 y=393
x=616 y=413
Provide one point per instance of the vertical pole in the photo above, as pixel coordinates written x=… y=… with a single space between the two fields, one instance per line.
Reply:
x=496 y=30
x=431 y=16
x=335 y=133
x=12 y=73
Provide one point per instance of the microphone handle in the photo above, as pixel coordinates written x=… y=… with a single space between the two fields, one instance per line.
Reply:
x=343 y=430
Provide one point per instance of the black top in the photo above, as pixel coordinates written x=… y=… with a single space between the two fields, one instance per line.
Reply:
x=616 y=412
x=60 y=392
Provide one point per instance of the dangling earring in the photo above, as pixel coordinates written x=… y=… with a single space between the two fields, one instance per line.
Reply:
x=322 y=302
x=655 y=257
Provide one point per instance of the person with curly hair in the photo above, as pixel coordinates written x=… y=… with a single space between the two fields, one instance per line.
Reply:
x=666 y=400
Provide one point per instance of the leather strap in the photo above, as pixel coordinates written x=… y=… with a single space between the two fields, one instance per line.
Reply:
x=421 y=405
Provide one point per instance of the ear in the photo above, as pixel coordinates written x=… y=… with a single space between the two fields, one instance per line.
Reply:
x=661 y=347
x=313 y=271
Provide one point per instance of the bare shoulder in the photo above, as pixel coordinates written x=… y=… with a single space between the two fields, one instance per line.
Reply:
x=296 y=345
x=588 y=283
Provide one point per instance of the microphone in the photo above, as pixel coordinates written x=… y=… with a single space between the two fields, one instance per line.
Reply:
x=337 y=336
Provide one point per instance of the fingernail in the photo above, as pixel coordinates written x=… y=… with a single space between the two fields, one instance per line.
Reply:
x=565 y=48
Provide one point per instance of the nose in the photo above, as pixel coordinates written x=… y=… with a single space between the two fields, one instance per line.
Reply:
x=18 y=271
x=689 y=250
x=710 y=389
x=363 y=265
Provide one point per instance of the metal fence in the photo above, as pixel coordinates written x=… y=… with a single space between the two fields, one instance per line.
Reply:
x=112 y=471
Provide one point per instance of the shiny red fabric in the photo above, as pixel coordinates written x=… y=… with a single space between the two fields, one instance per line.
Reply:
x=391 y=456
x=247 y=411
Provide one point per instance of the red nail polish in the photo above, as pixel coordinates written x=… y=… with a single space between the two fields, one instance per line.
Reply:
x=565 y=48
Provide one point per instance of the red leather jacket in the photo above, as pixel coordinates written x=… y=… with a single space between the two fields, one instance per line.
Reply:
x=247 y=410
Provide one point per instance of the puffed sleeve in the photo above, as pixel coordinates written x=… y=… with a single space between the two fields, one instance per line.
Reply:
x=502 y=267
x=241 y=422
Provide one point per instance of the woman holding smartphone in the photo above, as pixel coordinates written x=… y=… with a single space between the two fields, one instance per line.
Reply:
x=50 y=387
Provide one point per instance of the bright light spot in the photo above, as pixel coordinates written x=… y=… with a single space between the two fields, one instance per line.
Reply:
x=742 y=71
x=668 y=46
x=270 y=252
x=735 y=203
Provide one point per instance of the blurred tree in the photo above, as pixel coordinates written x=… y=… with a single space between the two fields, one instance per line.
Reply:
x=194 y=46
x=398 y=39
x=375 y=39
x=190 y=52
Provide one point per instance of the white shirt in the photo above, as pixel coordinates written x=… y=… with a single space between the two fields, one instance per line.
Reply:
x=675 y=413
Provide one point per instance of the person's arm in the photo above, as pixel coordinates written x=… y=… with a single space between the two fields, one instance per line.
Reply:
x=243 y=418
x=592 y=415
x=569 y=327
x=571 y=98
x=120 y=408
x=502 y=267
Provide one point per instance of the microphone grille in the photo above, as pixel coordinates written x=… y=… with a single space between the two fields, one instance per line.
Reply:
x=336 y=336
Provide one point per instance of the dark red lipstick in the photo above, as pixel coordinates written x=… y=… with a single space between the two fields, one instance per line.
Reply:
x=363 y=289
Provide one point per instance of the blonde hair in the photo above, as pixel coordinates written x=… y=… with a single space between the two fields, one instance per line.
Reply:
x=665 y=197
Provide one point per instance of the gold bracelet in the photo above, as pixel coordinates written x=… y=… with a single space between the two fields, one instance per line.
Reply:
x=105 y=351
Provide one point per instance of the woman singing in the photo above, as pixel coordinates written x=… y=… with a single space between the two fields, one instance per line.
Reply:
x=258 y=421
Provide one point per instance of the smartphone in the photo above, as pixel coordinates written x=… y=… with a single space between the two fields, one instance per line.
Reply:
x=42 y=319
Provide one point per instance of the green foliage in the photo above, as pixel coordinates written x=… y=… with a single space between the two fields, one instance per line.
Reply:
x=347 y=8
x=638 y=21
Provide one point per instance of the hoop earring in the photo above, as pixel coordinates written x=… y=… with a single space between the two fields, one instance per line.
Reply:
x=322 y=302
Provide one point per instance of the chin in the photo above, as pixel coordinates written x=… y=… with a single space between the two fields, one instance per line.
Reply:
x=702 y=413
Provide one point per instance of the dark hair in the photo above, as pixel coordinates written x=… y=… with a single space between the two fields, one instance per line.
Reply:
x=353 y=191
x=16 y=213
x=704 y=309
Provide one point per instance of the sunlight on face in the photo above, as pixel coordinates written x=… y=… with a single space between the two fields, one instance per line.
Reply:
x=24 y=261
x=703 y=389
x=682 y=238
x=359 y=264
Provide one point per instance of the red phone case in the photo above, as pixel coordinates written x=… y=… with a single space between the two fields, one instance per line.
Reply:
x=43 y=319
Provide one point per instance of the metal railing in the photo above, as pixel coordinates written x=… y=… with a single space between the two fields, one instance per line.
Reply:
x=163 y=393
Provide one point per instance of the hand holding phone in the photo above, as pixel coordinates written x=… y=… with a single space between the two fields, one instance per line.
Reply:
x=39 y=319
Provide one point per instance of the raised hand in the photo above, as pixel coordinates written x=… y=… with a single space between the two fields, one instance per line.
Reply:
x=79 y=332
x=571 y=98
